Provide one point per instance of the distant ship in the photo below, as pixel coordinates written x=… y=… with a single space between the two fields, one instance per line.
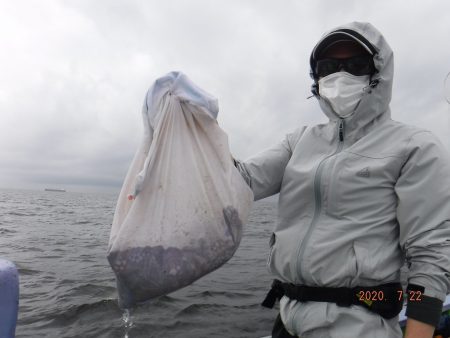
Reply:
x=57 y=190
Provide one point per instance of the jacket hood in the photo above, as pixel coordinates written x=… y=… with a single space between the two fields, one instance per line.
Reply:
x=374 y=105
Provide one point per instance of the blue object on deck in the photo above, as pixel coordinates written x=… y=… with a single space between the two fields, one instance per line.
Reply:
x=9 y=298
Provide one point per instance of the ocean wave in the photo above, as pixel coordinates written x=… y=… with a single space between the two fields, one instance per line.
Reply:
x=227 y=294
x=91 y=289
x=28 y=272
x=82 y=222
x=198 y=308
x=66 y=316
x=20 y=214
x=7 y=231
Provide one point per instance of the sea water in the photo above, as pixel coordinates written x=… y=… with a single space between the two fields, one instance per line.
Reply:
x=67 y=289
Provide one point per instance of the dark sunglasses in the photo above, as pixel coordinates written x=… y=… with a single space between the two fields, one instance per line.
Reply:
x=357 y=65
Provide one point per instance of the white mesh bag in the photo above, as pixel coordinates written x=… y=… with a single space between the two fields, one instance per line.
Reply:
x=181 y=208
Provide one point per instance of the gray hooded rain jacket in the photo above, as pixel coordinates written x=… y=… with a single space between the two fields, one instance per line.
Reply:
x=358 y=196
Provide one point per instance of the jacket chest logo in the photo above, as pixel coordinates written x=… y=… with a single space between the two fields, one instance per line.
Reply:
x=365 y=172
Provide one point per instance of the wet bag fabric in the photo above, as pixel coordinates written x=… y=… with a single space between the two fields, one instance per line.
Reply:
x=181 y=208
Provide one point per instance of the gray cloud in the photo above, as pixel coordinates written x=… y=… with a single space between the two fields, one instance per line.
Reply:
x=74 y=74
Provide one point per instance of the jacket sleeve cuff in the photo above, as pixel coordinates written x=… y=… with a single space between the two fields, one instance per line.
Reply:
x=243 y=171
x=426 y=310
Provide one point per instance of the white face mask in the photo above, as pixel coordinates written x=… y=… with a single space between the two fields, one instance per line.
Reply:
x=343 y=91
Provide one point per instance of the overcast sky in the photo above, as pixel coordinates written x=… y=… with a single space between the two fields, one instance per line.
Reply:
x=73 y=74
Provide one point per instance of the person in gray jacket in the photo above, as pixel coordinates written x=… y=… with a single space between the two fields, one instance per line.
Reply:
x=358 y=196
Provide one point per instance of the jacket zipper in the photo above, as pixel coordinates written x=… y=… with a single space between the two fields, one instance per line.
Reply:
x=318 y=199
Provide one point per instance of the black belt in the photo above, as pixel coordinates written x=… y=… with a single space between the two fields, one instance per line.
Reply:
x=385 y=299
